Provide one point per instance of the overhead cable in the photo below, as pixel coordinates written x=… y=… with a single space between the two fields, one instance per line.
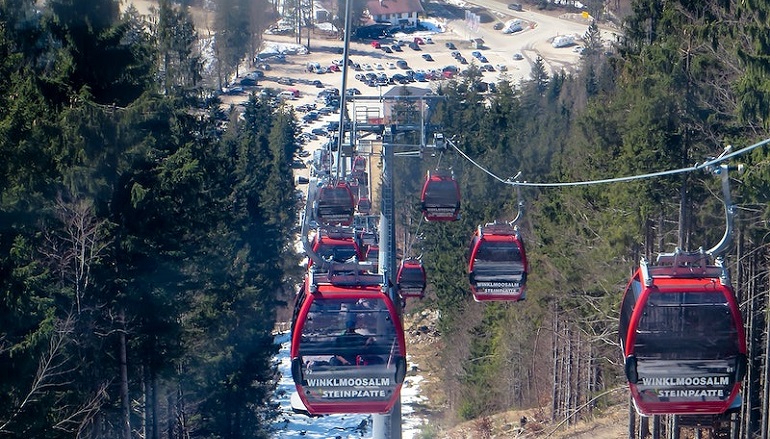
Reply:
x=698 y=166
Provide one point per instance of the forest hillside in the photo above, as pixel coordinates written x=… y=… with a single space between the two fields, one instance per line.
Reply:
x=146 y=231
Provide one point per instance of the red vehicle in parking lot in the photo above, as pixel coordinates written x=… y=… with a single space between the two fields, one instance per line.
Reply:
x=376 y=44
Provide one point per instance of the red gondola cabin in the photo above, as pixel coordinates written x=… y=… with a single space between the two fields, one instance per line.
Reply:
x=498 y=264
x=440 y=198
x=336 y=245
x=411 y=280
x=347 y=351
x=364 y=205
x=334 y=205
x=359 y=164
x=682 y=337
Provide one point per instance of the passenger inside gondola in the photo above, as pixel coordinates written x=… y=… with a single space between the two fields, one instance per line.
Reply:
x=358 y=343
x=351 y=346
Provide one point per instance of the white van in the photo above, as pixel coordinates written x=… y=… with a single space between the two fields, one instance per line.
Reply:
x=285 y=95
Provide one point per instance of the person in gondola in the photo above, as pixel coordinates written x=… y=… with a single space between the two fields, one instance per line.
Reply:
x=350 y=345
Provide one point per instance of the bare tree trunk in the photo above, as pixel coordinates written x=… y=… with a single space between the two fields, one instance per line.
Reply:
x=155 y=407
x=766 y=374
x=754 y=335
x=555 y=366
x=146 y=384
x=582 y=365
x=170 y=416
x=631 y=419
x=568 y=377
x=674 y=432
x=124 y=396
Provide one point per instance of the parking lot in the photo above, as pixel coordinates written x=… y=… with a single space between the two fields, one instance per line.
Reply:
x=420 y=59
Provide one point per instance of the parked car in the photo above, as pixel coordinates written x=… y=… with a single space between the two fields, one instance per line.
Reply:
x=401 y=64
x=450 y=45
x=518 y=56
x=418 y=40
x=514 y=6
x=451 y=68
x=386 y=49
x=398 y=78
x=396 y=47
x=414 y=46
x=498 y=26
x=427 y=57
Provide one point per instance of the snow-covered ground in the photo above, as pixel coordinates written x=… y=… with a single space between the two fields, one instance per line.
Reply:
x=292 y=425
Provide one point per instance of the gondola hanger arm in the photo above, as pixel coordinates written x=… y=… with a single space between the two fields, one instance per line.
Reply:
x=723 y=171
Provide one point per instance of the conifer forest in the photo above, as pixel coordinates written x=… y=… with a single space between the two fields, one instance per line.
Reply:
x=147 y=232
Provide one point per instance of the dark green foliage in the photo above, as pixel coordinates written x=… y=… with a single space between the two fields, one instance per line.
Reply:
x=131 y=225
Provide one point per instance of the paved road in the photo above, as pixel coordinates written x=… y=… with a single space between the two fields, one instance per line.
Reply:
x=535 y=39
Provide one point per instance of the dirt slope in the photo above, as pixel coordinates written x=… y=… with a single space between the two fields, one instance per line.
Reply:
x=423 y=346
